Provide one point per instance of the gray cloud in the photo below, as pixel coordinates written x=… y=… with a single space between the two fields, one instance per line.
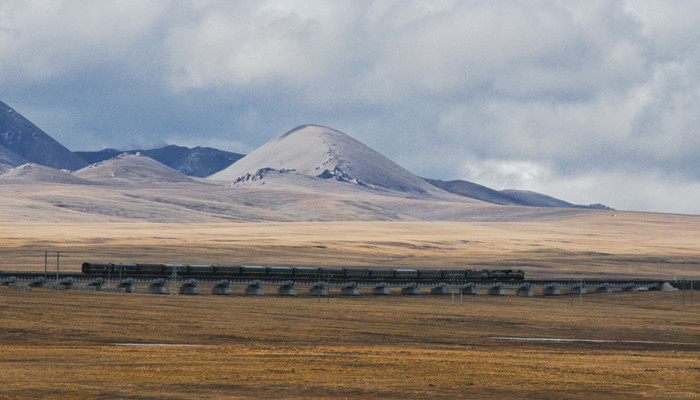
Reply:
x=589 y=101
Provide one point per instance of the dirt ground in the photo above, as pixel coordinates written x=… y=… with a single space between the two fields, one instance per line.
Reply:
x=70 y=344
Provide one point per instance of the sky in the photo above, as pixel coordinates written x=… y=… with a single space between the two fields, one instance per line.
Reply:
x=590 y=102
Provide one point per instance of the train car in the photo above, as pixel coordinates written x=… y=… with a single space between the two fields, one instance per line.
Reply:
x=406 y=274
x=381 y=273
x=454 y=274
x=97 y=268
x=516 y=275
x=305 y=272
x=149 y=269
x=430 y=274
x=253 y=271
x=357 y=273
x=331 y=273
x=280 y=271
x=226 y=270
x=476 y=274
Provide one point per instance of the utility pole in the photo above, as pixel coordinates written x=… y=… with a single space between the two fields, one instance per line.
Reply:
x=683 y=290
x=58 y=256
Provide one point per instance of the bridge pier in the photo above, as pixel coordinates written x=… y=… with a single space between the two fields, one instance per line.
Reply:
x=497 y=290
x=524 y=291
x=440 y=290
x=287 y=289
x=158 y=287
x=350 y=290
x=97 y=284
x=189 y=288
x=38 y=283
x=381 y=290
x=128 y=286
x=319 y=289
x=664 y=287
x=470 y=290
x=578 y=289
x=551 y=291
x=604 y=289
x=222 y=289
x=9 y=280
x=254 y=289
x=410 y=290
x=630 y=289
x=66 y=284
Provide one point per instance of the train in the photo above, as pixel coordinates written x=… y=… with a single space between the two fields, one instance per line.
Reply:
x=237 y=272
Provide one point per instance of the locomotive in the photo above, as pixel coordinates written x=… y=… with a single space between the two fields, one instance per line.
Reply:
x=239 y=271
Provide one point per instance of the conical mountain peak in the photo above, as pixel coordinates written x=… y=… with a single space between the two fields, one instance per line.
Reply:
x=326 y=153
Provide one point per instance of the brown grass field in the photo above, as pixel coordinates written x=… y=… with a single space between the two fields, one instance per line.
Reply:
x=65 y=344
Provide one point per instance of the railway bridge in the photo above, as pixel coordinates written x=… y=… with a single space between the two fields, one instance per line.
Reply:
x=320 y=285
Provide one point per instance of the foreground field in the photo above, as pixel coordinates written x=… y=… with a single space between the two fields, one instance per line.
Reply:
x=67 y=344
x=590 y=244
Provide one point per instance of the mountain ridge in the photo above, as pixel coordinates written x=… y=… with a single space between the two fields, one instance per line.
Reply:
x=196 y=161
x=28 y=141
x=310 y=155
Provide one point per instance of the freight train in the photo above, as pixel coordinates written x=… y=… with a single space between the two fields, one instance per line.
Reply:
x=238 y=272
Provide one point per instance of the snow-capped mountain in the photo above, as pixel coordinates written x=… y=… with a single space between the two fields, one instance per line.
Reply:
x=326 y=154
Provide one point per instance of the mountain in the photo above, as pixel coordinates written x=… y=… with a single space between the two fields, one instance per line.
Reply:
x=326 y=155
x=131 y=169
x=506 y=197
x=9 y=159
x=197 y=161
x=26 y=140
x=30 y=174
x=541 y=200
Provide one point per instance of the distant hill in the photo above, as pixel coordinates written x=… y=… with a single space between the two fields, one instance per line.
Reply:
x=309 y=158
x=131 y=169
x=26 y=140
x=33 y=174
x=197 y=161
x=506 y=197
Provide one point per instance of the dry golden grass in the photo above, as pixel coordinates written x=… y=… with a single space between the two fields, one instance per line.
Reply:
x=56 y=344
x=590 y=244
x=62 y=345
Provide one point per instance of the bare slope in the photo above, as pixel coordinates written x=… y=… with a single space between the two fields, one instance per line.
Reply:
x=131 y=169
x=35 y=174
x=325 y=153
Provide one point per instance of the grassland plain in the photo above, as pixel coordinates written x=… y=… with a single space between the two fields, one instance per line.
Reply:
x=68 y=344
x=592 y=244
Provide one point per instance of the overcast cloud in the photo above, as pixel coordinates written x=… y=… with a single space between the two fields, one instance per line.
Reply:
x=595 y=101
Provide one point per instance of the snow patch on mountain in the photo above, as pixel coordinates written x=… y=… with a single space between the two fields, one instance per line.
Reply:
x=327 y=154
